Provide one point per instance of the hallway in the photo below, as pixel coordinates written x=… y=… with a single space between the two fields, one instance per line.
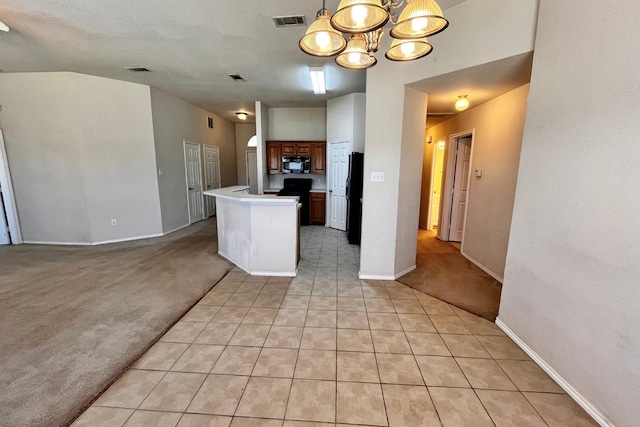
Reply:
x=445 y=274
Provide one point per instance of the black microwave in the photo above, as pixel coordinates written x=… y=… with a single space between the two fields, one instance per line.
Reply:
x=296 y=164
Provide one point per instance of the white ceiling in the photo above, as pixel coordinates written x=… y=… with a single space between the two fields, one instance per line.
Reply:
x=481 y=84
x=190 y=46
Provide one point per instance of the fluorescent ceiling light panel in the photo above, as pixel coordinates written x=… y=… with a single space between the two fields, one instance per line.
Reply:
x=3 y=27
x=317 y=80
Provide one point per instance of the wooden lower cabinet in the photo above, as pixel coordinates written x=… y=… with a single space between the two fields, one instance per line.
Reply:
x=317 y=210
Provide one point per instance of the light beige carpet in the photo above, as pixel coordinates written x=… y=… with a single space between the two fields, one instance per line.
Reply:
x=73 y=318
x=445 y=274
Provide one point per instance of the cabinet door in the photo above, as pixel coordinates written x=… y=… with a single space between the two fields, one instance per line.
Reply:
x=289 y=149
x=319 y=158
x=317 y=211
x=274 y=157
x=304 y=150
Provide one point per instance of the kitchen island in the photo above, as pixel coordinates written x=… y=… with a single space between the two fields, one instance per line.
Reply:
x=259 y=234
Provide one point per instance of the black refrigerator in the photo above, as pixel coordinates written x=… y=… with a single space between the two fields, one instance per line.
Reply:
x=354 y=197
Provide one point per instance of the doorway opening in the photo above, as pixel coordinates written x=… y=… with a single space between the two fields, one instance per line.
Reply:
x=437 y=170
x=456 y=188
x=252 y=171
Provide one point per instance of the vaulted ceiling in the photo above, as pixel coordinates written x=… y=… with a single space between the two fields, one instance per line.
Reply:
x=190 y=47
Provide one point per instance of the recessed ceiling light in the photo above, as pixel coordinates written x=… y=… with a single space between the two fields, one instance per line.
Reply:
x=241 y=116
x=317 y=80
x=4 y=27
x=138 y=69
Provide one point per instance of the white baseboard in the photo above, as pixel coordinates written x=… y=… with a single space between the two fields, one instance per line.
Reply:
x=38 y=242
x=482 y=267
x=362 y=276
x=103 y=242
x=374 y=277
x=273 y=273
x=575 y=395
x=128 y=239
x=402 y=273
x=175 y=229
x=258 y=273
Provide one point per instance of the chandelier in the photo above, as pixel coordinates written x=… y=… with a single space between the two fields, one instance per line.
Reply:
x=363 y=20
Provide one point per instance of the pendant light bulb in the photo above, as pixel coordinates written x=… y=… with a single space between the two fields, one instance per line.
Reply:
x=407 y=48
x=359 y=14
x=321 y=39
x=462 y=103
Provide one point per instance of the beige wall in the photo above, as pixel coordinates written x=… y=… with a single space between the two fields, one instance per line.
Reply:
x=498 y=126
x=244 y=131
x=345 y=120
x=468 y=43
x=297 y=124
x=174 y=121
x=571 y=287
x=80 y=150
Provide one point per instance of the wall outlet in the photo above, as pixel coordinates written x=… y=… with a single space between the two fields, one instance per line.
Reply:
x=377 y=176
x=114 y=222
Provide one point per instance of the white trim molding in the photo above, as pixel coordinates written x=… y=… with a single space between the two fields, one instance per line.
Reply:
x=403 y=272
x=374 y=277
x=103 y=242
x=575 y=395
x=482 y=267
x=164 y=233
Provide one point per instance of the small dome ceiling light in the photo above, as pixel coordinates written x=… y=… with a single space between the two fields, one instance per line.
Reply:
x=241 y=116
x=462 y=103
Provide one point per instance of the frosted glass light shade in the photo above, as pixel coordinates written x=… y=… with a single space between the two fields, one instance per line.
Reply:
x=408 y=49
x=462 y=103
x=421 y=18
x=355 y=56
x=321 y=38
x=359 y=16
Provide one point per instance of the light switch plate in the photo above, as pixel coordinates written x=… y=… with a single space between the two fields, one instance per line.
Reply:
x=377 y=176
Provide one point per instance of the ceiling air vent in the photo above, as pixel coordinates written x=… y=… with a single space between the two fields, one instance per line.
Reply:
x=289 y=21
x=237 y=77
x=138 y=69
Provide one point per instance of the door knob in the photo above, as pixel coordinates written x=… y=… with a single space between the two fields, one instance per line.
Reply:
x=190 y=188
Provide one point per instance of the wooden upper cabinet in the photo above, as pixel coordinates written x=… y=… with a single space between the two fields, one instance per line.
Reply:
x=274 y=157
x=318 y=158
x=314 y=149
x=304 y=150
x=289 y=149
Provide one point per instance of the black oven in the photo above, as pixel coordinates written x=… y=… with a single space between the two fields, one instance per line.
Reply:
x=296 y=164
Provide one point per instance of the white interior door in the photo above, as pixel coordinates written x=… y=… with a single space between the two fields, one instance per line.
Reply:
x=338 y=173
x=252 y=171
x=194 y=181
x=460 y=189
x=4 y=228
x=211 y=176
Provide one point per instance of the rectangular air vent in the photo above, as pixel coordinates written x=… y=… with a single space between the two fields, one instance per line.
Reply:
x=210 y=122
x=290 y=21
x=138 y=69
x=237 y=77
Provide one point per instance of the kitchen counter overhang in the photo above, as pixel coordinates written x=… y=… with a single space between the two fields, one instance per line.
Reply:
x=258 y=233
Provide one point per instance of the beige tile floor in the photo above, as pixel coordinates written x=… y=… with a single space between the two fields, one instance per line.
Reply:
x=326 y=349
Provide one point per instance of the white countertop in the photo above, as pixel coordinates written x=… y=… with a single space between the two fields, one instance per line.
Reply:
x=240 y=193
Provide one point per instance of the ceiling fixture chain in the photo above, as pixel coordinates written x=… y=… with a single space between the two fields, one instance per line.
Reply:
x=363 y=22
